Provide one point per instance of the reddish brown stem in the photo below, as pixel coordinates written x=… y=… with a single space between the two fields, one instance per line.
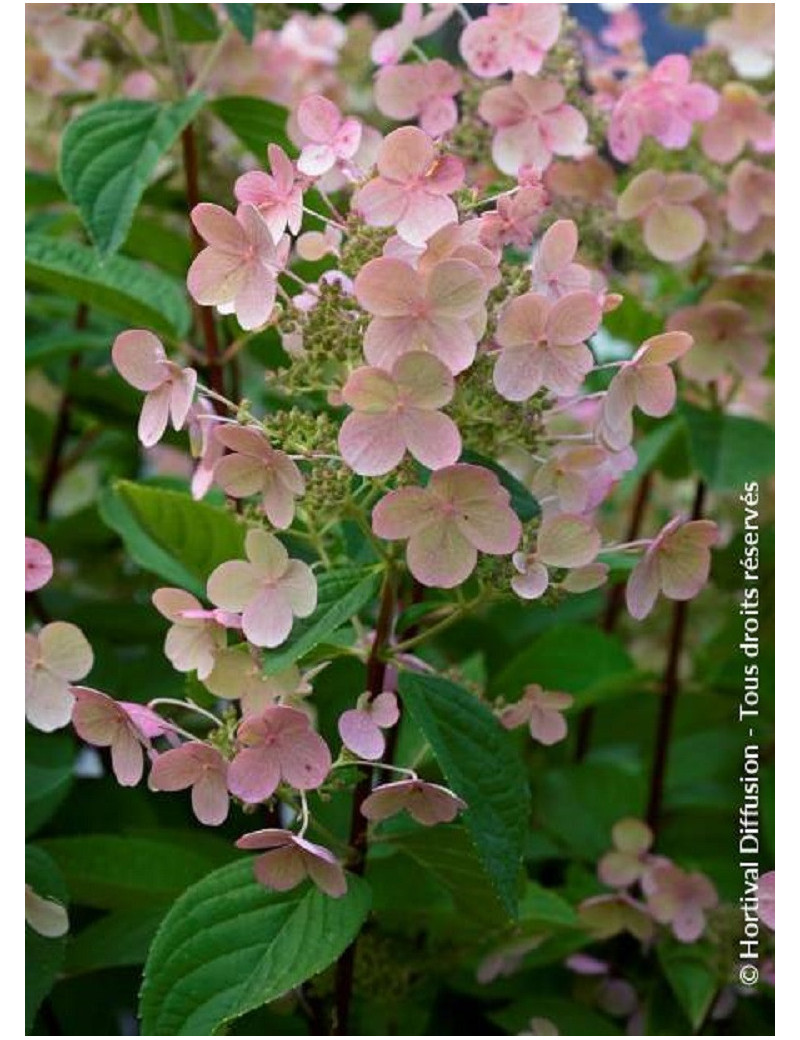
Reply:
x=205 y=315
x=52 y=467
x=670 y=687
x=614 y=604
x=376 y=672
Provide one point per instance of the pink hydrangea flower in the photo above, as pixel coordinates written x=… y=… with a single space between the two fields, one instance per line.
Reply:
x=54 y=659
x=125 y=728
x=554 y=272
x=608 y=915
x=572 y=475
x=278 y=745
x=542 y=344
x=426 y=803
x=590 y=179
x=314 y=245
x=532 y=123
x=726 y=339
x=441 y=311
x=624 y=28
x=391 y=45
x=238 y=270
x=332 y=138
x=463 y=510
x=255 y=467
x=676 y=564
x=540 y=1027
x=514 y=219
x=510 y=38
x=766 y=899
x=542 y=711
x=673 y=229
x=313 y=39
x=278 y=196
x=563 y=540
x=424 y=92
x=454 y=242
x=628 y=860
x=397 y=411
x=748 y=36
x=45 y=916
x=38 y=564
x=200 y=767
x=679 y=899
x=205 y=447
x=140 y=359
x=412 y=189
x=751 y=196
x=268 y=588
x=196 y=635
x=238 y=675
x=360 y=727
x=664 y=105
x=741 y=119
x=646 y=382
x=290 y=859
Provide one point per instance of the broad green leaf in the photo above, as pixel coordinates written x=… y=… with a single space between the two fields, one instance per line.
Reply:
x=578 y=659
x=522 y=501
x=649 y=450
x=579 y=804
x=229 y=945
x=729 y=450
x=483 y=767
x=692 y=978
x=568 y=1015
x=194 y=23
x=49 y=759
x=541 y=906
x=170 y=534
x=45 y=346
x=41 y=189
x=108 y=155
x=125 y=288
x=255 y=122
x=118 y=939
x=116 y=871
x=243 y=17
x=341 y=594
x=44 y=957
x=450 y=856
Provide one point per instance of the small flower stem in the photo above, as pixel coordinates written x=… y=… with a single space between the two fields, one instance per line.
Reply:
x=324 y=219
x=419 y=52
x=186 y=706
x=375 y=764
x=303 y=814
x=670 y=691
x=614 y=603
x=609 y=364
x=492 y=198
x=326 y=198
x=376 y=671
x=466 y=16
x=436 y=629
x=640 y=543
x=213 y=57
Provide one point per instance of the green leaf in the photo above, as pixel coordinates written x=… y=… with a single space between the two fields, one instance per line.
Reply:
x=194 y=23
x=119 y=939
x=568 y=1015
x=41 y=189
x=449 y=855
x=170 y=534
x=341 y=594
x=553 y=661
x=483 y=767
x=108 y=155
x=522 y=501
x=649 y=450
x=229 y=945
x=691 y=977
x=46 y=346
x=116 y=871
x=44 y=957
x=243 y=17
x=129 y=290
x=579 y=804
x=542 y=906
x=729 y=450
x=255 y=122
x=49 y=759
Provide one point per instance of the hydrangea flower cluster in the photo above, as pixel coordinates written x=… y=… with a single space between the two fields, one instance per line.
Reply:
x=444 y=366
